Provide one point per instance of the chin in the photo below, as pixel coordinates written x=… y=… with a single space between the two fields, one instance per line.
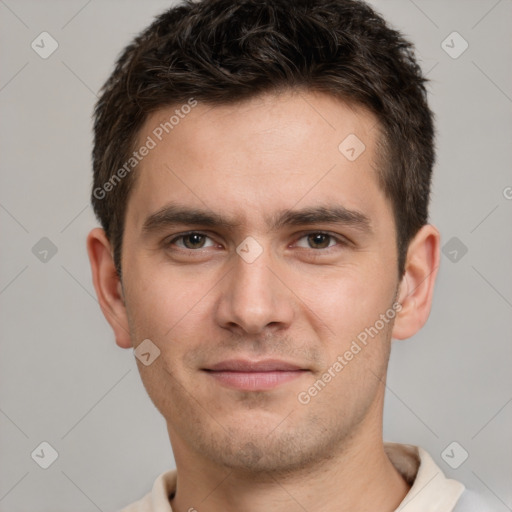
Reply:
x=278 y=453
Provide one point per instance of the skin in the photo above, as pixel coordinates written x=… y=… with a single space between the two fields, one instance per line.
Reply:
x=303 y=300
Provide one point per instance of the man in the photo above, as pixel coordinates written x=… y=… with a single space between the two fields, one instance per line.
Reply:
x=262 y=173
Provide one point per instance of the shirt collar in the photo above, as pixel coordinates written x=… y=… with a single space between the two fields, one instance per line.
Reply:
x=431 y=491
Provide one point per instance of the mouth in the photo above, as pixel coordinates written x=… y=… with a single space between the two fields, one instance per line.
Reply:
x=254 y=375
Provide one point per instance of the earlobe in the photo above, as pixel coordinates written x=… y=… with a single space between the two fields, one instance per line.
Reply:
x=417 y=285
x=108 y=286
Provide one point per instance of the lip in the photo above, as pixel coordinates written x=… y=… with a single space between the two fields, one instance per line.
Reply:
x=245 y=365
x=254 y=375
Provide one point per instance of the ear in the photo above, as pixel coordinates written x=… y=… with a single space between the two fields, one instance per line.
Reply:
x=417 y=284
x=108 y=286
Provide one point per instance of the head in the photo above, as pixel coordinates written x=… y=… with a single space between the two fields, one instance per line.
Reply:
x=261 y=174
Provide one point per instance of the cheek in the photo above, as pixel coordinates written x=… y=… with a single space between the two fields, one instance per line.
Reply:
x=350 y=300
x=159 y=298
x=350 y=310
x=174 y=311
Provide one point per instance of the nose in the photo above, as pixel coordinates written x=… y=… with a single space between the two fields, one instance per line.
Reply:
x=254 y=297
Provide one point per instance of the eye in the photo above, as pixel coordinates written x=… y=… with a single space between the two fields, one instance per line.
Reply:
x=320 y=240
x=190 y=241
x=195 y=240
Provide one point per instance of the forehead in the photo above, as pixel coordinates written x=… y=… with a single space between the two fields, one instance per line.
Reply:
x=257 y=156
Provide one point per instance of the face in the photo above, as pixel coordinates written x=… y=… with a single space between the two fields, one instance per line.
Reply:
x=257 y=257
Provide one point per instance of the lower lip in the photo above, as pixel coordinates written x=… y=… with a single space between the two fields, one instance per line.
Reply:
x=255 y=381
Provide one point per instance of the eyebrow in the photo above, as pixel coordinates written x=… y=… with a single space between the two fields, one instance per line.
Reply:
x=174 y=214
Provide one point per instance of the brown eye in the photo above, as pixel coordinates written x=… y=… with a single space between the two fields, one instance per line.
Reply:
x=319 y=240
x=192 y=240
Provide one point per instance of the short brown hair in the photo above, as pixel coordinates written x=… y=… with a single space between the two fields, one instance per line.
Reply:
x=221 y=51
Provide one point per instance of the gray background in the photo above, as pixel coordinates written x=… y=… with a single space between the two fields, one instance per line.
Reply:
x=64 y=381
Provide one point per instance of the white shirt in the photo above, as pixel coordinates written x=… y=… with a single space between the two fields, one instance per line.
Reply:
x=430 y=490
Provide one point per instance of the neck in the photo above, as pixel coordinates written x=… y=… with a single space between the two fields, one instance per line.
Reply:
x=355 y=479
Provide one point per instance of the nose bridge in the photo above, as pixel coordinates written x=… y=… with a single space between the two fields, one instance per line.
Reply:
x=254 y=297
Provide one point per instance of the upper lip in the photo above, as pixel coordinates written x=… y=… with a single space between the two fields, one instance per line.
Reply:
x=243 y=365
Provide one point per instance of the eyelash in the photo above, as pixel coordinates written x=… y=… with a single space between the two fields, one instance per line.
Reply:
x=341 y=241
